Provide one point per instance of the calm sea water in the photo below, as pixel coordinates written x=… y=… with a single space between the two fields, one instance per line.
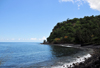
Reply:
x=13 y=54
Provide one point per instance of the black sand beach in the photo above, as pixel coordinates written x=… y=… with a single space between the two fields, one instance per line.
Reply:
x=92 y=62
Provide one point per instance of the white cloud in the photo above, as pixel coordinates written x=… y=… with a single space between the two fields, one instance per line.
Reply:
x=7 y=39
x=44 y=38
x=19 y=39
x=78 y=2
x=12 y=39
x=33 y=39
x=27 y=39
x=40 y=39
x=94 y=4
x=78 y=6
x=66 y=1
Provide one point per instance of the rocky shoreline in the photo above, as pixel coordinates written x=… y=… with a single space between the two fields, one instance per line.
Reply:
x=92 y=62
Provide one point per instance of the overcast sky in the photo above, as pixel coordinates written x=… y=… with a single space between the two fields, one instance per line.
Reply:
x=33 y=20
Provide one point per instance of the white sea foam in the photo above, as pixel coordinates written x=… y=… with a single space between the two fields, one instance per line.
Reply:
x=66 y=46
x=78 y=60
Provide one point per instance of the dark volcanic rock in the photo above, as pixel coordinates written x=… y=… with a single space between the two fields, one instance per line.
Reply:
x=93 y=62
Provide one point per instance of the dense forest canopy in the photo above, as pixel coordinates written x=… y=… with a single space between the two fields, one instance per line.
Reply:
x=77 y=31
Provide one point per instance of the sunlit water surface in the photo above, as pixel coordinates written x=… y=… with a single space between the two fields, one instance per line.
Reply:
x=14 y=54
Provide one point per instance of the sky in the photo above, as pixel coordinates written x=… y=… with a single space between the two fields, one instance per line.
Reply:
x=33 y=20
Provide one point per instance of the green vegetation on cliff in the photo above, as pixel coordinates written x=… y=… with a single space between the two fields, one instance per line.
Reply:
x=77 y=31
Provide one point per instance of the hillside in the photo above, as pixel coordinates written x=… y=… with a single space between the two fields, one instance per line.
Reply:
x=77 y=31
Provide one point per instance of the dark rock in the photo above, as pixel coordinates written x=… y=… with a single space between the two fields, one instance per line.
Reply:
x=93 y=62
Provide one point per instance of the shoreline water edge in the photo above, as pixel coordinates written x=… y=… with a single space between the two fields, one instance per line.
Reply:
x=90 y=60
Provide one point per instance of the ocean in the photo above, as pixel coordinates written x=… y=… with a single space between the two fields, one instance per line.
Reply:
x=34 y=54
